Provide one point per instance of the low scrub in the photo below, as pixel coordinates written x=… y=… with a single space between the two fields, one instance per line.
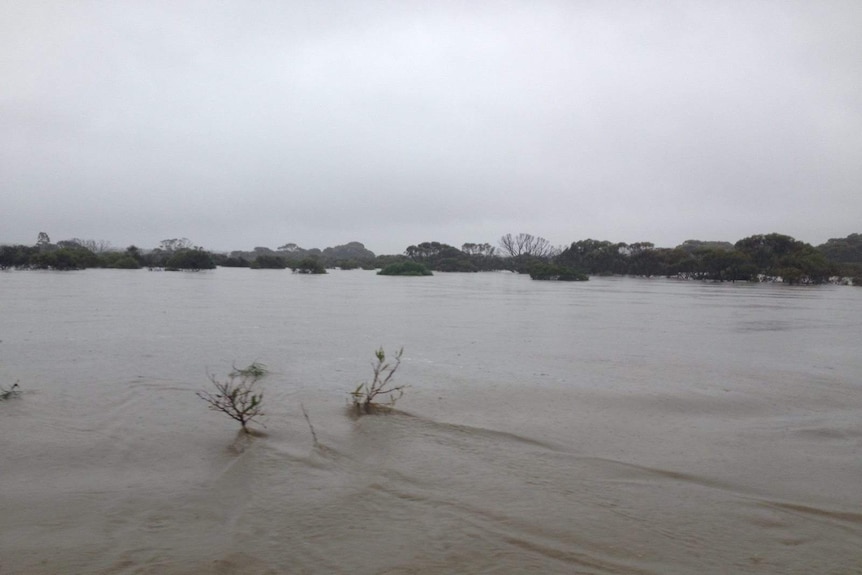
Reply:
x=552 y=272
x=267 y=262
x=367 y=396
x=309 y=266
x=405 y=269
x=193 y=259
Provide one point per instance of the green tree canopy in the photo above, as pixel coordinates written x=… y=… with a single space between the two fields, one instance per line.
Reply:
x=843 y=250
x=192 y=259
x=782 y=256
x=268 y=262
x=556 y=272
x=405 y=269
x=309 y=265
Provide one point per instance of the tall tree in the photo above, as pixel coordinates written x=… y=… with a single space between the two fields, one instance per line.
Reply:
x=844 y=250
x=526 y=245
x=175 y=244
x=478 y=249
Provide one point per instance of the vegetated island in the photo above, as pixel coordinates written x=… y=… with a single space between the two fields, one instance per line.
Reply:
x=766 y=257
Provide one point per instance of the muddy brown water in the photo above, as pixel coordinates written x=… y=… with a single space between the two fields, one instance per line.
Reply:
x=621 y=426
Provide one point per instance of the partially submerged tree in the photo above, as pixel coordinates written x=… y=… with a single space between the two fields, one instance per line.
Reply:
x=268 y=262
x=553 y=272
x=95 y=246
x=527 y=245
x=367 y=395
x=193 y=259
x=64 y=259
x=472 y=249
x=237 y=397
x=175 y=244
x=405 y=269
x=309 y=265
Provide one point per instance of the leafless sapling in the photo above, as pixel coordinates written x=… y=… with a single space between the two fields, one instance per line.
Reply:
x=367 y=395
x=236 y=396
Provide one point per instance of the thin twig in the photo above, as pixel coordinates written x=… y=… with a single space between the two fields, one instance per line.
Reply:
x=365 y=394
x=311 y=427
x=236 y=399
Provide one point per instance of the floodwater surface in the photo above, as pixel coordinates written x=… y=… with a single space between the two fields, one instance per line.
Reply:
x=621 y=426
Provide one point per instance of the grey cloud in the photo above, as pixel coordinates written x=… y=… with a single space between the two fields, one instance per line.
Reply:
x=242 y=124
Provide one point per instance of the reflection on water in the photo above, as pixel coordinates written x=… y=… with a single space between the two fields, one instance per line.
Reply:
x=617 y=426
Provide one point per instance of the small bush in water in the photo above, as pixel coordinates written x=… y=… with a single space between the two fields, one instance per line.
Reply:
x=254 y=369
x=13 y=391
x=405 y=269
x=367 y=395
x=237 y=397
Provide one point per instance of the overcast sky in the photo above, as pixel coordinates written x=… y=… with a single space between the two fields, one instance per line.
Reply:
x=250 y=123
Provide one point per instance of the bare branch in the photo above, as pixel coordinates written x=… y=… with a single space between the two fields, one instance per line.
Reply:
x=236 y=397
x=311 y=427
x=366 y=394
x=526 y=245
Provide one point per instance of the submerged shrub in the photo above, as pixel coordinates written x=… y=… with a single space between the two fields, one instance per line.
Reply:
x=553 y=272
x=237 y=397
x=366 y=396
x=190 y=259
x=13 y=391
x=268 y=262
x=254 y=369
x=405 y=269
x=126 y=263
x=309 y=265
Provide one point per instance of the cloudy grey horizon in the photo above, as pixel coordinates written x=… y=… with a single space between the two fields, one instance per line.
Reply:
x=243 y=124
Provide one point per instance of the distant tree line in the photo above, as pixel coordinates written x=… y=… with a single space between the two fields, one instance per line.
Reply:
x=756 y=258
x=348 y=256
x=77 y=254
x=769 y=257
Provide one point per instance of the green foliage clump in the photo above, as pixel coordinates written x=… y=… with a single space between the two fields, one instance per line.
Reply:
x=193 y=259
x=456 y=265
x=131 y=259
x=346 y=264
x=237 y=397
x=17 y=256
x=309 y=265
x=777 y=255
x=126 y=263
x=405 y=269
x=64 y=259
x=843 y=250
x=440 y=257
x=268 y=262
x=254 y=369
x=770 y=257
x=554 y=272
x=230 y=262
x=366 y=396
